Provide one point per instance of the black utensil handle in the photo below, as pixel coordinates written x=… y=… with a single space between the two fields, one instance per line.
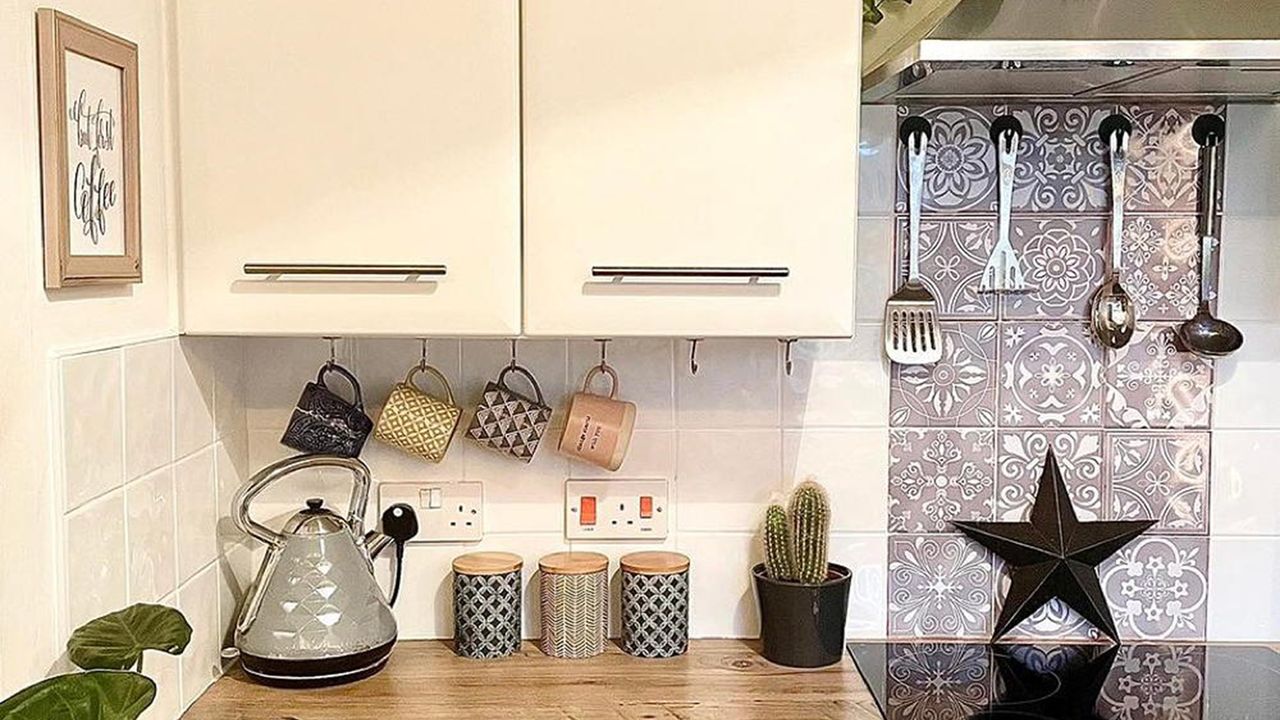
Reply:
x=1004 y=124
x=912 y=126
x=1111 y=125
x=1209 y=130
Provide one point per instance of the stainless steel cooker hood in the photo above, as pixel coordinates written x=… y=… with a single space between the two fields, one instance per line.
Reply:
x=1225 y=50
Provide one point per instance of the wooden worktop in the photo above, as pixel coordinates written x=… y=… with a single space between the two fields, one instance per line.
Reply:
x=721 y=679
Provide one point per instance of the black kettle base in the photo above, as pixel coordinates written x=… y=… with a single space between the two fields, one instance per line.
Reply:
x=324 y=672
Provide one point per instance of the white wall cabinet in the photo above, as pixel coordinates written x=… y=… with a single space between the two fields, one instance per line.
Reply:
x=349 y=133
x=684 y=135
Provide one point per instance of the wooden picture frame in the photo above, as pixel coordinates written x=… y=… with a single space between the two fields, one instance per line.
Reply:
x=89 y=158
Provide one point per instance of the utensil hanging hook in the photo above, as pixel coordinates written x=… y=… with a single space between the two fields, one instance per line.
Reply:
x=604 y=352
x=422 y=363
x=513 y=353
x=333 y=349
x=693 y=355
x=787 y=365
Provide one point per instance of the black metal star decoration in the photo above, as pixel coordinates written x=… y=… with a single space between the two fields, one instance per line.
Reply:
x=1054 y=555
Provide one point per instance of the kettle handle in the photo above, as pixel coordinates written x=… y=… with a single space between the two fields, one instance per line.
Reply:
x=361 y=480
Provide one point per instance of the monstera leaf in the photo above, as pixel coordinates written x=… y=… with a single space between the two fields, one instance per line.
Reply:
x=97 y=695
x=117 y=641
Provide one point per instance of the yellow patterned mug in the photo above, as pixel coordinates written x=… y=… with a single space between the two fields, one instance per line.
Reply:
x=418 y=423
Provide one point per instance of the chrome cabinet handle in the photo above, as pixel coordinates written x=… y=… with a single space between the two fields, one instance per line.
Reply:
x=710 y=273
x=341 y=269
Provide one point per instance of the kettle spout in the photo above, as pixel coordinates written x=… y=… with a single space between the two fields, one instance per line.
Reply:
x=375 y=542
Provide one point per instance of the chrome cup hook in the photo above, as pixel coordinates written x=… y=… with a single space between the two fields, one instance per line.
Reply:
x=604 y=352
x=786 y=354
x=512 y=364
x=333 y=349
x=693 y=355
x=422 y=362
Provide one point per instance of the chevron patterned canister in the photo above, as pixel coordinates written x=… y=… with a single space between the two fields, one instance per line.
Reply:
x=575 y=604
x=655 y=604
x=486 y=604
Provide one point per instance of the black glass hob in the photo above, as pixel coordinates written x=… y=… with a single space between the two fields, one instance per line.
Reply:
x=956 y=680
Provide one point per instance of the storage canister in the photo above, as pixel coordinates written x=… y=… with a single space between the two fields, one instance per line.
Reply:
x=655 y=604
x=486 y=604
x=575 y=604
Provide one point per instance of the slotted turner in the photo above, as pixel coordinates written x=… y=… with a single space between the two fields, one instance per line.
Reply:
x=1003 y=272
x=911 y=334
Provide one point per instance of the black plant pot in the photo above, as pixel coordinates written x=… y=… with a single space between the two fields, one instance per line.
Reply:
x=803 y=625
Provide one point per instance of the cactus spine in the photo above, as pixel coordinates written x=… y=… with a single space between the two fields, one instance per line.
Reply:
x=810 y=516
x=777 y=544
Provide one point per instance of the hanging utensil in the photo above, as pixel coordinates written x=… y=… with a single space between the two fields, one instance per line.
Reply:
x=1003 y=273
x=1204 y=334
x=911 y=334
x=1112 y=316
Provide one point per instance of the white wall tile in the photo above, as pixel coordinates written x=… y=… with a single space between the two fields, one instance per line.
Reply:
x=276 y=370
x=193 y=388
x=518 y=497
x=875 y=268
x=201 y=663
x=152 y=553
x=652 y=454
x=95 y=562
x=1243 y=576
x=853 y=465
x=736 y=386
x=1244 y=497
x=166 y=671
x=1248 y=286
x=197 y=512
x=92 y=425
x=726 y=478
x=838 y=383
x=865 y=556
x=722 y=600
x=877 y=160
x=229 y=387
x=148 y=407
x=645 y=375
x=1245 y=391
x=1252 y=185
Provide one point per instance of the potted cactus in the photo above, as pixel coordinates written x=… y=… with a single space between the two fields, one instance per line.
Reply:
x=803 y=598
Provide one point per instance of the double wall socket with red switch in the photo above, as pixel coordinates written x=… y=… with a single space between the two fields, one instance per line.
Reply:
x=616 y=509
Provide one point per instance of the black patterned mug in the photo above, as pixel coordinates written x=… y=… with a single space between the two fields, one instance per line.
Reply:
x=325 y=422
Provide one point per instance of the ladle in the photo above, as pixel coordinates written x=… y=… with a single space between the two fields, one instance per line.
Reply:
x=1111 y=314
x=1204 y=334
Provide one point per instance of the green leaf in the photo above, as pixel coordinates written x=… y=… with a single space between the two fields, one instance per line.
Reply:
x=97 y=695
x=116 y=641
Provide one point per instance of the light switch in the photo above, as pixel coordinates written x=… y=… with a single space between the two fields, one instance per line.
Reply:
x=436 y=500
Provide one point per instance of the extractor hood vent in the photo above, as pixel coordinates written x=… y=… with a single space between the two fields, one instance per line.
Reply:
x=1225 y=50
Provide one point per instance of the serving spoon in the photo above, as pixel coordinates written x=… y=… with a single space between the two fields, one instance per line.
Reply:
x=1111 y=314
x=1204 y=334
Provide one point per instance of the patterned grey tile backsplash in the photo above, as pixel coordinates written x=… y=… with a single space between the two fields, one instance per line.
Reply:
x=1022 y=373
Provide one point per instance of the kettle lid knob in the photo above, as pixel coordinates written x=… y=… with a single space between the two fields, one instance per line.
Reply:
x=315 y=503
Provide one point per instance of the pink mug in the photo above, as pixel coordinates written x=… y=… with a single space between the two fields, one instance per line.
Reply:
x=599 y=427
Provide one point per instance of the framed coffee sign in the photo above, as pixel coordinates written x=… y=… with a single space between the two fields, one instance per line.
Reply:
x=88 y=153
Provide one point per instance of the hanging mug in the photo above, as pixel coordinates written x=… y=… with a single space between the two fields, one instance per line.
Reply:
x=509 y=422
x=324 y=422
x=418 y=423
x=599 y=427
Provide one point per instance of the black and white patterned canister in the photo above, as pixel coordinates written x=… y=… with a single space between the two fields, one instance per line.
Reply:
x=655 y=604
x=575 y=604
x=486 y=604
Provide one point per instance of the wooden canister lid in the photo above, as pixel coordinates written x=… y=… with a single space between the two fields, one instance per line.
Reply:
x=655 y=562
x=574 y=563
x=487 y=563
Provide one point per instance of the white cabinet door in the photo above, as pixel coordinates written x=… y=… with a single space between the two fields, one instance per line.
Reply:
x=350 y=133
x=672 y=137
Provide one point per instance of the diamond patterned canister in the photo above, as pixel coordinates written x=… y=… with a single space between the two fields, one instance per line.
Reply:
x=655 y=604
x=575 y=604
x=486 y=604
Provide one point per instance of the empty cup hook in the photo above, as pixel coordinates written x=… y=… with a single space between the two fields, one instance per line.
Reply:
x=693 y=355
x=786 y=354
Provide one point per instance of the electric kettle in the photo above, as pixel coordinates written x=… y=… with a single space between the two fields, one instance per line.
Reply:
x=315 y=615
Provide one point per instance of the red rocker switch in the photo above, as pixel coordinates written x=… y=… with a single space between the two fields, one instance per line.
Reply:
x=646 y=506
x=587 y=510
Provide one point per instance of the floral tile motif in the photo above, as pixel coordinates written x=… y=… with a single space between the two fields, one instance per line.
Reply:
x=952 y=256
x=957 y=391
x=1163 y=476
x=1156 y=587
x=960 y=165
x=1062 y=259
x=937 y=681
x=1062 y=164
x=936 y=476
x=1155 y=681
x=1050 y=375
x=939 y=586
x=1163 y=158
x=1162 y=266
x=1153 y=384
x=1020 y=460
